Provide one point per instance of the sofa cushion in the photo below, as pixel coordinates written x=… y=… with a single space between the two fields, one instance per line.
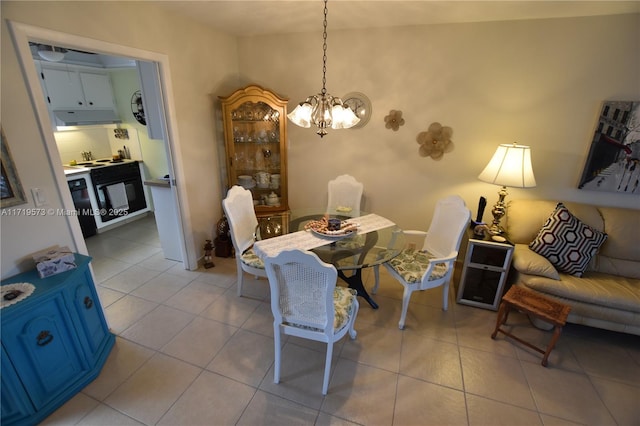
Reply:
x=529 y=262
x=525 y=217
x=621 y=253
x=568 y=243
x=592 y=288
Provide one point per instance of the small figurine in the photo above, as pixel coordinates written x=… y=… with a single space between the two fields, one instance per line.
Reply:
x=480 y=230
x=208 y=248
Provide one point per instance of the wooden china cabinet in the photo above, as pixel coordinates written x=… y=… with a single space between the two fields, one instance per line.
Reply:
x=255 y=137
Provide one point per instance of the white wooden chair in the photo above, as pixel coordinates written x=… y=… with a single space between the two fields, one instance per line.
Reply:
x=345 y=196
x=238 y=207
x=306 y=303
x=433 y=265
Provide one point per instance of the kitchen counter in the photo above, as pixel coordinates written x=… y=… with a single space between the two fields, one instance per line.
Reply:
x=74 y=170
x=80 y=168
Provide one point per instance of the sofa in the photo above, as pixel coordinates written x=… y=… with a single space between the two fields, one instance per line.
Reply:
x=607 y=293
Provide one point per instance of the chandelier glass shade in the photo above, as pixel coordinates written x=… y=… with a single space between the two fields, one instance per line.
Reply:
x=323 y=110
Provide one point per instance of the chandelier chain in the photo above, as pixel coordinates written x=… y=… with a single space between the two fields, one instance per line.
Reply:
x=324 y=50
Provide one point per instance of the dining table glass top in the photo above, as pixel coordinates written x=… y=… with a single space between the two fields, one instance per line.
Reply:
x=377 y=239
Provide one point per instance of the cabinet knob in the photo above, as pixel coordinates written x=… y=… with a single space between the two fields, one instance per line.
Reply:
x=44 y=338
x=79 y=103
x=88 y=303
x=90 y=103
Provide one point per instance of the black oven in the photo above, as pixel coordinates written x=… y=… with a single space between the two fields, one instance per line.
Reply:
x=118 y=189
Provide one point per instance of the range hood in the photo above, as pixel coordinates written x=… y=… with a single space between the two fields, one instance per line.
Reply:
x=85 y=117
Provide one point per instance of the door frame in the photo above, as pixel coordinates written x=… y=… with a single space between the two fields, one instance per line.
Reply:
x=22 y=34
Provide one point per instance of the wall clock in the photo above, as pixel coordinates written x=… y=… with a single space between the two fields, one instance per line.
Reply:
x=137 y=108
x=360 y=105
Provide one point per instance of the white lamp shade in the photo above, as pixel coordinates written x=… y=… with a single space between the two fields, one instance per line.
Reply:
x=510 y=166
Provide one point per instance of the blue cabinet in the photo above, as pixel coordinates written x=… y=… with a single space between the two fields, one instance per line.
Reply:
x=54 y=343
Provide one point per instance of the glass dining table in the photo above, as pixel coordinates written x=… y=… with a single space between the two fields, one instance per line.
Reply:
x=376 y=241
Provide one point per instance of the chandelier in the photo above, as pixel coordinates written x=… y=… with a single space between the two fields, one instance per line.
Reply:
x=323 y=110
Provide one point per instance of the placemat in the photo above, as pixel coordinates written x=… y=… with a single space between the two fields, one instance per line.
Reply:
x=22 y=290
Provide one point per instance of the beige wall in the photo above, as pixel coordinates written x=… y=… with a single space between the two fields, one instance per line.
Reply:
x=203 y=63
x=538 y=82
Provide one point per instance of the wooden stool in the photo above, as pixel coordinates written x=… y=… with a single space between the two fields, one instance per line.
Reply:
x=532 y=303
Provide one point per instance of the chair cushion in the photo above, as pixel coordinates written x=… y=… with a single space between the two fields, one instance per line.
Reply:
x=342 y=306
x=568 y=243
x=411 y=265
x=249 y=257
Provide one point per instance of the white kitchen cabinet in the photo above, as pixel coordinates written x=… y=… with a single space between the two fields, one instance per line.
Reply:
x=74 y=88
x=98 y=92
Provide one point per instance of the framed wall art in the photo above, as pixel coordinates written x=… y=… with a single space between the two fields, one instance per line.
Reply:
x=10 y=187
x=613 y=163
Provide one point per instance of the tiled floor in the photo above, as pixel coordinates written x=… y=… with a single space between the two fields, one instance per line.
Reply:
x=189 y=352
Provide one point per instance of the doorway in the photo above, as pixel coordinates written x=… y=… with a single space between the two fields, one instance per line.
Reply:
x=22 y=35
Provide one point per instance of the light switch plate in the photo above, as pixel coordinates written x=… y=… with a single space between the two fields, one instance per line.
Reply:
x=39 y=197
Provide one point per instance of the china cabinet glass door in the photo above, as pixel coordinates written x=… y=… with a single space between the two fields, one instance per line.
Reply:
x=255 y=141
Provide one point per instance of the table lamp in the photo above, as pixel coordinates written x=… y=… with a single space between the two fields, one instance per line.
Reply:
x=510 y=166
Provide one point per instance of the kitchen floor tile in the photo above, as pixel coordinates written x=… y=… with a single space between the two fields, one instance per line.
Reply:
x=431 y=403
x=125 y=359
x=153 y=388
x=211 y=400
x=567 y=395
x=200 y=341
x=158 y=327
x=268 y=409
x=125 y=312
x=496 y=377
x=161 y=288
x=246 y=357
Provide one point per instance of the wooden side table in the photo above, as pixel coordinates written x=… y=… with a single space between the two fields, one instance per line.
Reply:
x=532 y=303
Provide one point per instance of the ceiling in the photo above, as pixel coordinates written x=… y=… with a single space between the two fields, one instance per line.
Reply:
x=261 y=17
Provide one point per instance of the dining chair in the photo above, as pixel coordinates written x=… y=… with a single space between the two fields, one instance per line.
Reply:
x=238 y=207
x=432 y=266
x=345 y=195
x=345 y=198
x=307 y=303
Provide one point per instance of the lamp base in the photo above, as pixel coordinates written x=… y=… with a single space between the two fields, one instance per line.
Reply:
x=498 y=212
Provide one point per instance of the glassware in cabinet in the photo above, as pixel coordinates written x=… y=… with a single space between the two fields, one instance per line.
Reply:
x=255 y=141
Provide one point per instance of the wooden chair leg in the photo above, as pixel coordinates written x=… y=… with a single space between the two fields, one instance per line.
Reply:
x=503 y=313
x=552 y=344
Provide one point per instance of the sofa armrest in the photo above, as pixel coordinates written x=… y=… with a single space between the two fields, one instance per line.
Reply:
x=528 y=262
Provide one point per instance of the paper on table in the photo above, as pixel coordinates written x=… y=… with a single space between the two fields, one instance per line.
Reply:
x=305 y=240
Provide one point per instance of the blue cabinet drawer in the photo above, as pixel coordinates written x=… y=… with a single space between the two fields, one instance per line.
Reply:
x=44 y=350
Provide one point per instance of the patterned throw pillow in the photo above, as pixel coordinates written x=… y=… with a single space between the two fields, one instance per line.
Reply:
x=566 y=242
